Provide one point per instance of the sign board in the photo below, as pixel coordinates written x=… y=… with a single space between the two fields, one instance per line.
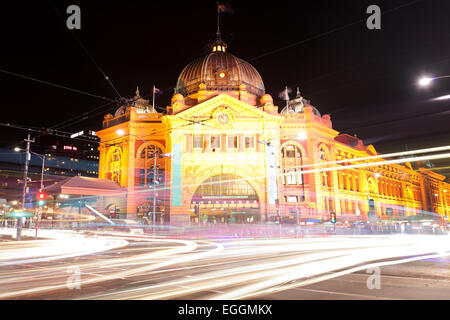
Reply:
x=77 y=134
x=19 y=214
x=271 y=171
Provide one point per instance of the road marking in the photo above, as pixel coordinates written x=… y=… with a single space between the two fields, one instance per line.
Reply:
x=343 y=293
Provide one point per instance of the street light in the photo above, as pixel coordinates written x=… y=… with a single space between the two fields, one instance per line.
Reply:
x=42 y=157
x=426 y=81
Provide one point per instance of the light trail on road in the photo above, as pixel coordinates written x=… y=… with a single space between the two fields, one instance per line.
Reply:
x=149 y=268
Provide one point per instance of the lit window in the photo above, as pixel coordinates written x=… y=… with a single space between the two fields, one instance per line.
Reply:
x=198 y=141
x=215 y=142
x=249 y=142
x=292 y=199
x=222 y=74
x=290 y=177
x=232 y=142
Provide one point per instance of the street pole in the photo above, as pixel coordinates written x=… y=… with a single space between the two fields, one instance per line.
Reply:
x=24 y=191
x=42 y=172
x=154 y=188
x=38 y=215
x=197 y=212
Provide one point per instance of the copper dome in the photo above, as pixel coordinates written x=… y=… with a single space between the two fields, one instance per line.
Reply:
x=219 y=71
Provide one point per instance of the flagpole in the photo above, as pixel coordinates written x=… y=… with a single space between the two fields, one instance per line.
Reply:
x=153 y=97
x=287 y=97
x=218 y=18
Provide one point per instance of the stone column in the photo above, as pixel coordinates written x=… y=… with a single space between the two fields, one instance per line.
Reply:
x=130 y=178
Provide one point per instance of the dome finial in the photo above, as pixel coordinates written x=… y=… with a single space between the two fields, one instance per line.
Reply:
x=219 y=45
x=138 y=94
x=298 y=92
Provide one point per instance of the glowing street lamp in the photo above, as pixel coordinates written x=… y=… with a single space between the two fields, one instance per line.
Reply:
x=426 y=81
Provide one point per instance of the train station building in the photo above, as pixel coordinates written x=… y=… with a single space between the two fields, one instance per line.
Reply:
x=223 y=152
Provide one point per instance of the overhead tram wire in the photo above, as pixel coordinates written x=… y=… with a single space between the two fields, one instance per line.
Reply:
x=85 y=50
x=56 y=85
x=323 y=34
x=43 y=131
x=330 y=31
x=256 y=57
x=85 y=115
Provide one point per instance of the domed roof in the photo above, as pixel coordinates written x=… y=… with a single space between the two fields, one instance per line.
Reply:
x=220 y=71
x=296 y=105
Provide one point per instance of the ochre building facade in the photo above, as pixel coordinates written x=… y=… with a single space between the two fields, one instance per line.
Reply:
x=223 y=152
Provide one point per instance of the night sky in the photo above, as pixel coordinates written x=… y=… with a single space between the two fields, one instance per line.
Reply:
x=365 y=79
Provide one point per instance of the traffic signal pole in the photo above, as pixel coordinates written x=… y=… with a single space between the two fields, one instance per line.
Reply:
x=24 y=191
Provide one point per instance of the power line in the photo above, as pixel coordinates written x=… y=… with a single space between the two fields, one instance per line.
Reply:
x=86 y=51
x=44 y=131
x=86 y=114
x=329 y=32
x=54 y=85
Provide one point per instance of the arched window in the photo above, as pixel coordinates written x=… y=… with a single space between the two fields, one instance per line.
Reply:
x=324 y=153
x=291 y=152
x=114 y=165
x=291 y=161
x=150 y=174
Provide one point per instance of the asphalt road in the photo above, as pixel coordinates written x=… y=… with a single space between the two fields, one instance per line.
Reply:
x=411 y=267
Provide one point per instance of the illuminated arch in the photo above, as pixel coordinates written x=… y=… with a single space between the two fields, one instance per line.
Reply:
x=148 y=143
x=221 y=170
x=324 y=152
x=294 y=143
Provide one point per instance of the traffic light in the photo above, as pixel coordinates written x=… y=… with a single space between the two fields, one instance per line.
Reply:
x=277 y=219
x=41 y=197
x=333 y=217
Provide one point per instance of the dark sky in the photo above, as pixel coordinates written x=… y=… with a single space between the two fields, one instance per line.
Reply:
x=365 y=79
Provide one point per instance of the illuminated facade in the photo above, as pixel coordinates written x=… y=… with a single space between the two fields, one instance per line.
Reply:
x=225 y=151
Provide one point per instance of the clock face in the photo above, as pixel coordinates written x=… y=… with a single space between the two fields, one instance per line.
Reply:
x=223 y=118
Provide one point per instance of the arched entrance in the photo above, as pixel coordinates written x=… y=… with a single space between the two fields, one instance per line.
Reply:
x=112 y=210
x=225 y=198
